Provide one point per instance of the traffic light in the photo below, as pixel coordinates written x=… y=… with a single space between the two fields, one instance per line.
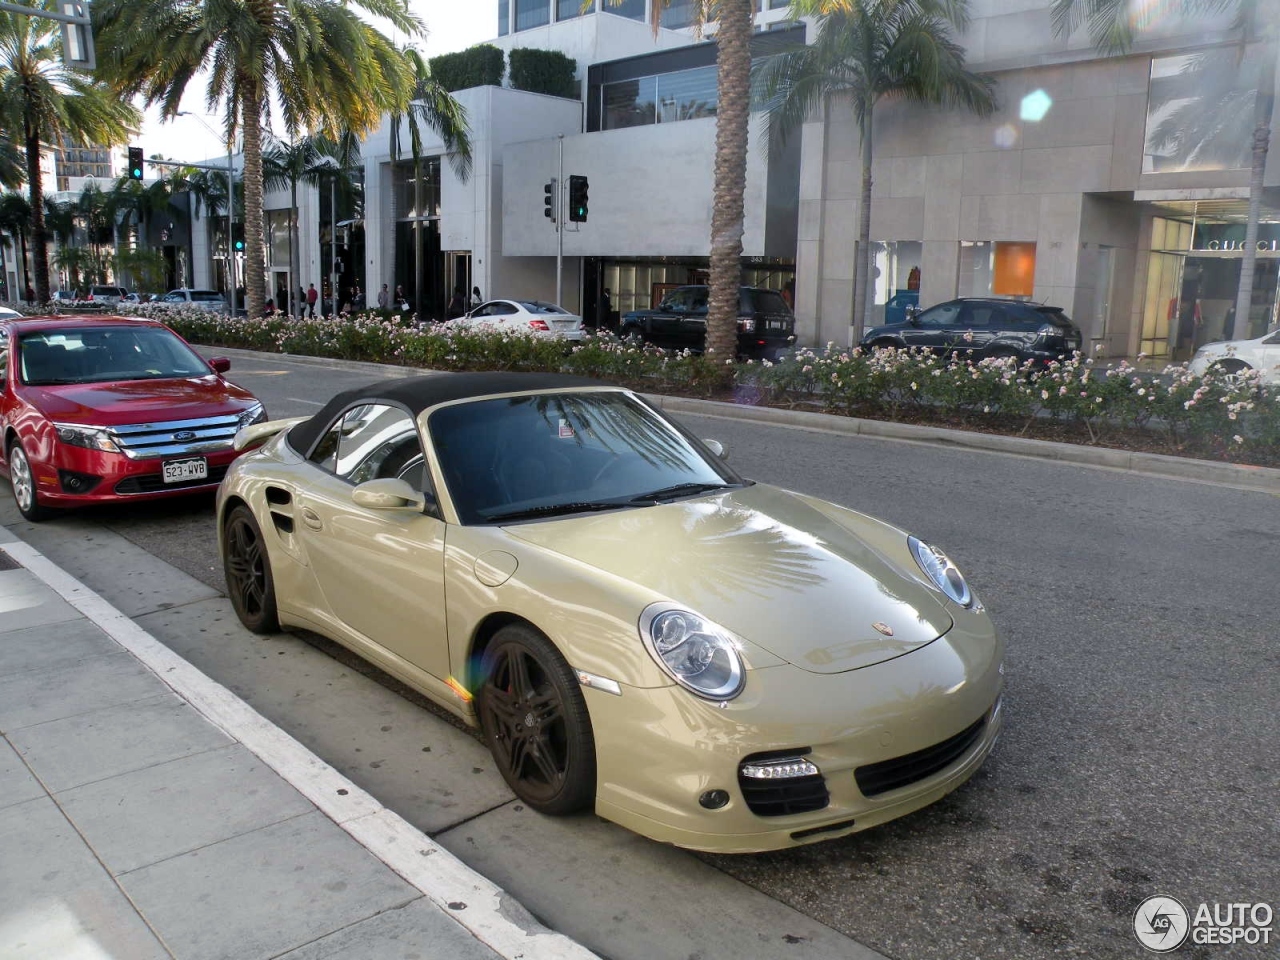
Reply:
x=578 y=198
x=237 y=237
x=549 y=202
x=136 y=165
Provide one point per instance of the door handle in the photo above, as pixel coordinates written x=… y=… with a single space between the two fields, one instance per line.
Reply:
x=311 y=518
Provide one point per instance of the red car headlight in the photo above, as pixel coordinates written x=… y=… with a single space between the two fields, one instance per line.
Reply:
x=91 y=438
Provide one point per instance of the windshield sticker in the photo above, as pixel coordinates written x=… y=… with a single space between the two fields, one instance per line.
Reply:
x=566 y=431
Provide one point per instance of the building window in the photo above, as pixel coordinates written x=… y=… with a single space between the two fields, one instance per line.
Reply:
x=895 y=280
x=631 y=9
x=679 y=14
x=1200 y=110
x=683 y=95
x=568 y=9
x=411 y=202
x=997 y=268
x=504 y=17
x=532 y=13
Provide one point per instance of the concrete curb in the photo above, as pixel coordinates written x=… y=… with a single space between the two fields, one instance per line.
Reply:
x=484 y=909
x=1242 y=476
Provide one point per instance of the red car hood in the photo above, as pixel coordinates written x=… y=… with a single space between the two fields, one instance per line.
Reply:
x=139 y=401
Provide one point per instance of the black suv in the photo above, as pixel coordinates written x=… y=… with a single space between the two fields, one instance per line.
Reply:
x=982 y=327
x=766 y=325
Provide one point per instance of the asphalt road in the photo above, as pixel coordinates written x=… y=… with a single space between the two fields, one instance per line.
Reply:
x=1141 y=752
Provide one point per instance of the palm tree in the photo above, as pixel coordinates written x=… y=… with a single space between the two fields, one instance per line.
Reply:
x=1113 y=27
x=735 y=19
x=136 y=203
x=868 y=51
x=52 y=102
x=12 y=172
x=60 y=220
x=15 y=220
x=287 y=165
x=327 y=69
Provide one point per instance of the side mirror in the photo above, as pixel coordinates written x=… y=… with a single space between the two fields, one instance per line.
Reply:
x=716 y=447
x=388 y=493
x=220 y=364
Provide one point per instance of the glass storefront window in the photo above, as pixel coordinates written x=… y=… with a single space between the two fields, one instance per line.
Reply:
x=278 y=238
x=895 y=280
x=629 y=103
x=1200 y=112
x=504 y=17
x=999 y=268
x=532 y=13
x=687 y=94
x=409 y=201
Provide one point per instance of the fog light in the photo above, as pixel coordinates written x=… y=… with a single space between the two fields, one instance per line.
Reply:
x=714 y=799
x=784 y=769
x=72 y=482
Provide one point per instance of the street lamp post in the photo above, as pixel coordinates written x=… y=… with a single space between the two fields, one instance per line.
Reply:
x=231 y=192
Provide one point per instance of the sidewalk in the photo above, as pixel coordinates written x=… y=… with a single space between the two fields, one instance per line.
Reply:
x=146 y=812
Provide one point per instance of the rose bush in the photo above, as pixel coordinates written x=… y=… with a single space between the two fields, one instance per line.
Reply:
x=1174 y=411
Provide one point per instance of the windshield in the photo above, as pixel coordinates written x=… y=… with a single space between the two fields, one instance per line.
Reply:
x=98 y=354
x=552 y=454
x=539 y=306
x=205 y=296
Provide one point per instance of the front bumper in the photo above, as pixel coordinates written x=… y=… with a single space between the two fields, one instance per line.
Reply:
x=76 y=477
x=659 y=750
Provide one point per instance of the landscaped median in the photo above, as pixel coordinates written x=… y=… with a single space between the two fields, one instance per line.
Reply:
x=1215 y=417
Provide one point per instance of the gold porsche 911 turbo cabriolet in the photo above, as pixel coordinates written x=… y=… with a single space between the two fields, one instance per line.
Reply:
x=708 y=661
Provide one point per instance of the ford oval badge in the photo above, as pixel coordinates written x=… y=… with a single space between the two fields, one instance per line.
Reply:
x=883 y=628
x=182 y=436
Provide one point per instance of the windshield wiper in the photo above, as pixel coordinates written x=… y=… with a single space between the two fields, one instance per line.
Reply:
x=554 y=509
x=680 y=490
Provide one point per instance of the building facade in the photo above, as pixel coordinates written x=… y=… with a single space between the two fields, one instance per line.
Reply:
x=1113 y=187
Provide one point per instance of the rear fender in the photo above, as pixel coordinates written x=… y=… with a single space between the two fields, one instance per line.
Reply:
x=258 y=433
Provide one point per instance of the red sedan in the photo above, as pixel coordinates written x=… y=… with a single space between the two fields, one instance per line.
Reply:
x=100 y=409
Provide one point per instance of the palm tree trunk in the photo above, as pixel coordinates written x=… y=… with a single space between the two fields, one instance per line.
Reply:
x=39 y=237
x=733 y=61
x=1264 y=104
x=254 y=261
x=861 y=264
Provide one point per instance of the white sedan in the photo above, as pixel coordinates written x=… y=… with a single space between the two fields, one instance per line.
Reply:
x=1236 y=356
x=536 y=317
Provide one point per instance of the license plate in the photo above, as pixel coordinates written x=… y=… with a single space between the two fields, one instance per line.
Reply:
x=779 y=325
x=182 y=471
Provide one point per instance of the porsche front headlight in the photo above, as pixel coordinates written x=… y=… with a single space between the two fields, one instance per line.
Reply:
x=694 y=651
x=939 y=569
x=91 y=438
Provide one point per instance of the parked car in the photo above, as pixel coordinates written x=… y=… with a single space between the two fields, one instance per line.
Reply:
x=766 y=325
x=110 y=296
x=980 y=327
x=901 y=306
x=210 y=300
x=536 y=317
x=634 y=627
x=98 y=409
x=1237 y=356
x=7 y=314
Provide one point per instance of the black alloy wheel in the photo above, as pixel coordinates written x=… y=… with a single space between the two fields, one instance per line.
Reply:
x=535 y=721
x=248 y=572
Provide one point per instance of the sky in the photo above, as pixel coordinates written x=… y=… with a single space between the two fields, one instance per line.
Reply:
x=452 y=25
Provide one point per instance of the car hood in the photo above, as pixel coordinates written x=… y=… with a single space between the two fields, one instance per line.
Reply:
x=767 y=565
x=139 y=401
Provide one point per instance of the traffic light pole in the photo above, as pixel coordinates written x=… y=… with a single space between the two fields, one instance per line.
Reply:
x=561 y=203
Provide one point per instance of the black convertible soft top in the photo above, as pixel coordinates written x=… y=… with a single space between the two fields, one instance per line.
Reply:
x=418 y=393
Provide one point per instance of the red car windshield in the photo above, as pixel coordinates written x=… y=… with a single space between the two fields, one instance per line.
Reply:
x=99 y=354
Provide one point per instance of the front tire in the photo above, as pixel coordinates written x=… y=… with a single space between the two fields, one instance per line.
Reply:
x=22 y=480
x=535 y=722
x=247 y=569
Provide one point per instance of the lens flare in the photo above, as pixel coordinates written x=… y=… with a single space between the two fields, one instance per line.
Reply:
x=1006 y=136
x=1035 y=105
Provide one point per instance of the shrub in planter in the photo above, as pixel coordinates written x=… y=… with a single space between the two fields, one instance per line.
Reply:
x=544 y=71
x=478 y=66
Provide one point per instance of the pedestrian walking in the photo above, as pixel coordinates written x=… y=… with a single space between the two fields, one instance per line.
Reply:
x=476 y=299
x=384 y=298
x=400 y=301
x=357 y=299
x=457 y=305
x=312 y=296
x=30 y=296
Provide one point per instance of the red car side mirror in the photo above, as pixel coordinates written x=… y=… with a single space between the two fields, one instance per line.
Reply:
x=220 y=364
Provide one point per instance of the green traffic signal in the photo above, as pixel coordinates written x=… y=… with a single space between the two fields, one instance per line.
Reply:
x=136 y=165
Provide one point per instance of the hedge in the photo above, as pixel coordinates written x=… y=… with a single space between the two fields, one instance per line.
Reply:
x=478 y=66
x=544 y=71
